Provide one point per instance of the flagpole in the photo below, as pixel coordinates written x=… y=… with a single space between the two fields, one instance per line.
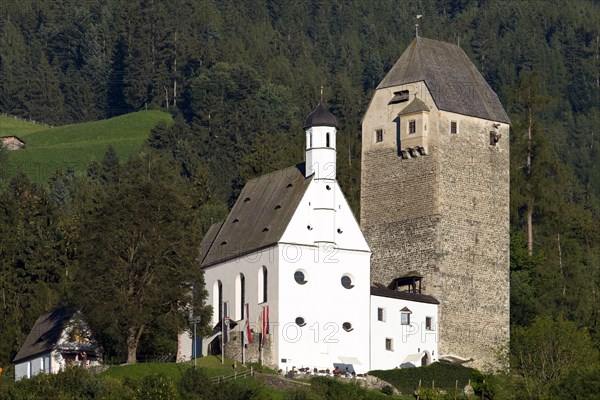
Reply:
x=222 y=333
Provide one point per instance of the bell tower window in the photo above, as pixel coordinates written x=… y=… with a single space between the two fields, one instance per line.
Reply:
x=327 y=144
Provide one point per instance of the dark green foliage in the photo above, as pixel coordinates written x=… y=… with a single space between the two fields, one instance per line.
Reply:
x=442 y=375
x=195 y=384
x=137 y=247
x=551 y=354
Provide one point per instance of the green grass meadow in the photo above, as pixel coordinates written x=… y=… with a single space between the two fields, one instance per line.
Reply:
x=211 y=364
x=49 y=149
x=9 y=126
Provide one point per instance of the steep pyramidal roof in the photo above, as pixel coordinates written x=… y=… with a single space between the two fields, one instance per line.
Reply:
x=259 y=217
x=320 y=116
x=454 y=82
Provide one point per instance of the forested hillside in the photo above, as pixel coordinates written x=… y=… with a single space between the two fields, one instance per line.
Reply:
x=240 y=77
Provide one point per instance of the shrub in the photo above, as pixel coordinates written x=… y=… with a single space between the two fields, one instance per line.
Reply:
x=156 y=387
x=387 y=389
x=195 y=383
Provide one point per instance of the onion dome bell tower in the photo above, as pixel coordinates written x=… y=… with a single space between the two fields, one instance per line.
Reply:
x=321 y=128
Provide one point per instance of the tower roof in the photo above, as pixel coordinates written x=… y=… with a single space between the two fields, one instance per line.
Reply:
x=454 y=82
x=320 y=116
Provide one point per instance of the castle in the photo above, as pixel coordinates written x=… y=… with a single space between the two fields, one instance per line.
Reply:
x=435 y=192
x=424 y=277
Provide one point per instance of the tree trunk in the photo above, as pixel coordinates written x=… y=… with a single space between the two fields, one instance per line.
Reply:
x=132 y=343
x=529 y=194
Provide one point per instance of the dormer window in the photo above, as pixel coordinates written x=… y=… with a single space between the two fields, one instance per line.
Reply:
x=412 y=126
x=399 y=97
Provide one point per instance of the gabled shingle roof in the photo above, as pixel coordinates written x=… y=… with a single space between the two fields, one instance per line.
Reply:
x=454 y=82
x=415 y=106
x=45 y=333
x=259 y=217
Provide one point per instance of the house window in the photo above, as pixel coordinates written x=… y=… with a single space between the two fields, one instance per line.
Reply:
x=429 y=323
x=240 y=296
x=405 y=318
x=453 y=127
x=347 y=282
x=412 y=126
x=243 y=295
x=299 y=277
x=379 y=135
x=389 y=344
x=262 y=284
x=380 y=314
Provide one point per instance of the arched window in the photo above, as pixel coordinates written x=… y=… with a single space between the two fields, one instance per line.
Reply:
x=262 y=284
x=327 y=140
x=240 y=296
x=217 y=302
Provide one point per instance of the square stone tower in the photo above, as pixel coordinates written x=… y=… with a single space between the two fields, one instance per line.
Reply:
x=435 y=193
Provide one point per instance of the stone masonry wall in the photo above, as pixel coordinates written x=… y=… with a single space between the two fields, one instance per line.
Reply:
x=474 y=227
x=398 y=214
x=445 y=215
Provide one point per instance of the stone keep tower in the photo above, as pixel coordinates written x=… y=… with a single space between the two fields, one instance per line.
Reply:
x=435 y=193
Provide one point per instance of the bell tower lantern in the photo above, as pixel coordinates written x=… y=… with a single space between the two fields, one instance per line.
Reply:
x=321 y=130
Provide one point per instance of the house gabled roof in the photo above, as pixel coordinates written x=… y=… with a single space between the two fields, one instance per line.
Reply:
x=453 y=80
x=259 y=217
x=45 y=333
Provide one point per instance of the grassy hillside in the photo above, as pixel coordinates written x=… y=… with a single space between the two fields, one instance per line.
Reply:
x=76 y=145
x=211 y=364
x=10 y=126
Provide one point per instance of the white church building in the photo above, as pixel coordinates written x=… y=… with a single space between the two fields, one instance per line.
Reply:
x=291 y=266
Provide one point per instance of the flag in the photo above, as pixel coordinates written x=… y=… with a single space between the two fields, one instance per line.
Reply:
x=265 y=324
x=248 y=335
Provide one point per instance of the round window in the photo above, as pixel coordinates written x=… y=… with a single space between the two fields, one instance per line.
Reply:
x=300 y=321
x=347 y=326
x=299 y=277
x=347 y=282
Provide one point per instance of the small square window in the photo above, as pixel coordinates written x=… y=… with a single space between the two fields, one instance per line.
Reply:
x=379 y=135
x=453 y=127
x=428 y=323
x=381 y=314
x=389 y=344
x=405 y=318
x=412 y=126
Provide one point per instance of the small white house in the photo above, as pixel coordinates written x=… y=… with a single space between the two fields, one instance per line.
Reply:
x=58 y=339
x=404 y=329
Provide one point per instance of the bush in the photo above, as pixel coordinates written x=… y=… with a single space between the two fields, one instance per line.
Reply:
x=195 y=383
x=156 y=387
x=387 y=389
